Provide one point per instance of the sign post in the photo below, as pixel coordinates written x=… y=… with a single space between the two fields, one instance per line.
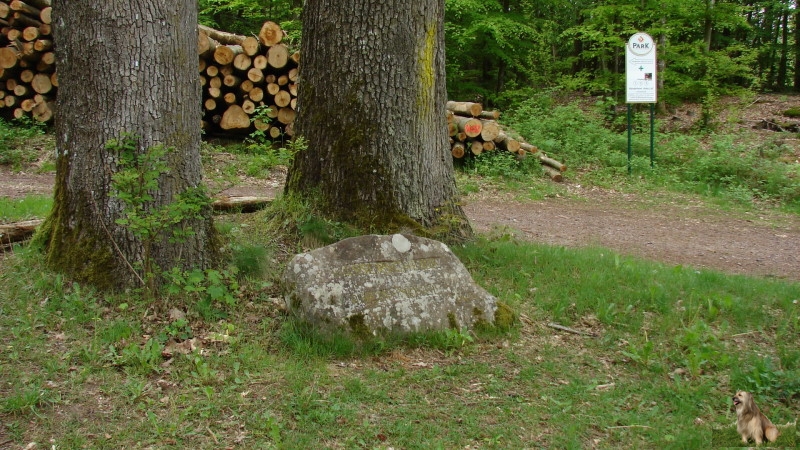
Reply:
x=640 y=81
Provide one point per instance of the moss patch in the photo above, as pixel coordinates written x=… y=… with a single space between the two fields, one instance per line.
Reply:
x=792 y=112
x=504 y=317
x=358 y=327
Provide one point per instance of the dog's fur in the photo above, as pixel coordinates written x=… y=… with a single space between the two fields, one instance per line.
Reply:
x=751 y=423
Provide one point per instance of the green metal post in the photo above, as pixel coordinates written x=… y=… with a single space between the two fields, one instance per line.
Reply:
x=652 y=134
x=629 y=139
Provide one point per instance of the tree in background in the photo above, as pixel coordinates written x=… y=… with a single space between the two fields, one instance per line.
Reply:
x=244 y=16
x=495 y=46
x=372 y=108
x=128 y=74
x=500 y=51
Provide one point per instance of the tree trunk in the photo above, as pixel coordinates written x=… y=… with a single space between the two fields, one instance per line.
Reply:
x=386 y=161
x=796 y=50
x=784 y=58
x=708 y=28
x=154 y=95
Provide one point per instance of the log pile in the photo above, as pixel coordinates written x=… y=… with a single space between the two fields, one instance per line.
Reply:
x=238 y=74
x=242 y=75
x=28 y=79
x=474 y=131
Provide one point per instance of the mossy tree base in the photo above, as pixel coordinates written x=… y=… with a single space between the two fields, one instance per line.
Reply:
x=153 y=96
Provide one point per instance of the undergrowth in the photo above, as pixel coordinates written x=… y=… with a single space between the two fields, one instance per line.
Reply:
x=716 y=165
x=16 y=150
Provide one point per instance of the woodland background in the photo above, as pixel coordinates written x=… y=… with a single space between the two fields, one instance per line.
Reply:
x=499 y=52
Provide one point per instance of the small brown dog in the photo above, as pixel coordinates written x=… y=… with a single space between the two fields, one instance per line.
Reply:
x=751 y=422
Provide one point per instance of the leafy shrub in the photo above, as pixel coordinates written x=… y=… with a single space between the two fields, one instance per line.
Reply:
x=211 y=292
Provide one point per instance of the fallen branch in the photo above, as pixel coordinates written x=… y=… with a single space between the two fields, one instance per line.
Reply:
x=570 y=330
x=240 y=204
x=11 y=233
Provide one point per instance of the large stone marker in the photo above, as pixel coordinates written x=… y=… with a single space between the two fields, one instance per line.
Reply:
x=385 y=284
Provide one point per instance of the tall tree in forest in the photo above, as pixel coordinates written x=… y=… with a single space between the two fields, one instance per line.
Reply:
x=372 y=109
x=126 y=69
x=796 y=50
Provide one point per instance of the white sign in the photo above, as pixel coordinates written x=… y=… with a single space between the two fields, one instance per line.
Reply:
x=640 y=69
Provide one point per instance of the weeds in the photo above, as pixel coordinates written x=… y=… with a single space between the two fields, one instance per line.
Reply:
x=15 y=150
x=210 y=292
x=594 y=147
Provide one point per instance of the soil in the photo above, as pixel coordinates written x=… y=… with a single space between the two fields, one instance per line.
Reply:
x=665 y=228
x=671 y=232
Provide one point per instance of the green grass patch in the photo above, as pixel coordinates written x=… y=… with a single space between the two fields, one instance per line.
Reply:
x=666 y=346
x=29 y=207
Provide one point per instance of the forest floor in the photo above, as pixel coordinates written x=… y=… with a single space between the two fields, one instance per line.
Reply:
x=667 y=227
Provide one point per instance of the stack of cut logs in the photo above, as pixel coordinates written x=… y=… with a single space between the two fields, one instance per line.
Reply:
x=474 y=131
x=27 y=62
x=240 y=74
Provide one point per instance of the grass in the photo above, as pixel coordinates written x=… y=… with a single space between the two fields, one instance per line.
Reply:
x=20 y=143
x=29 y=207
x=673 y=343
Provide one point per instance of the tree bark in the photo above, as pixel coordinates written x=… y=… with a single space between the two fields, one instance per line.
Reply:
x=386 y=163
x=153 y=94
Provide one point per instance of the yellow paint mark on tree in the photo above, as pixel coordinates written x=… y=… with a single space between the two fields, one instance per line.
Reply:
x=426 y=70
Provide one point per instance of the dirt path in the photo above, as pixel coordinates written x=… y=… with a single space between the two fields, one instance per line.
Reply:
x=673 y=231
x=764 y=244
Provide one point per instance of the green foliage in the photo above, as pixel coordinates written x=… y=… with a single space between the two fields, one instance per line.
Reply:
x=246 y=16
x=211 y=292
x=143 y=359
x=592 y=142
x=258 y=138
x=179 y=330
x=135 y=184
x=503 y=165
x=306 y=341
x=793 y=112
x=251 y=260
x=15 y=148
x=767 y=380
x=744 y=174
x=27 y=399
x=296 y=221
x=263 y=154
